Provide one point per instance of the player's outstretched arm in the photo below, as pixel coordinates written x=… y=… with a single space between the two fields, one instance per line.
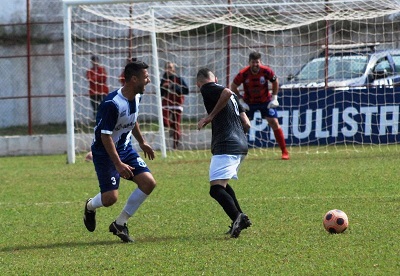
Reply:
x=221 y=103
x=274 y=101
x=245 y=122
x=235 y=89
x=123 y=169
x=147 y=149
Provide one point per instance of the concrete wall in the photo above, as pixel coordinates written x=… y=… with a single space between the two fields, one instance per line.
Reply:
x=12 y=11
x=57 y=144
x=33 y=145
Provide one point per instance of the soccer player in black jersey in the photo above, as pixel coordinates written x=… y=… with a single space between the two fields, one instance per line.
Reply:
x=228 y=145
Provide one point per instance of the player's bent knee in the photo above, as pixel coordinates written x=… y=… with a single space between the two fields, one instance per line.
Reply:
x=149 y=187
x=146 y=182
x=108 y=203
x=108 y=199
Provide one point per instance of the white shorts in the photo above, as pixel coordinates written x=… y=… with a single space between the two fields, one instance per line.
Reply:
x=225 y=166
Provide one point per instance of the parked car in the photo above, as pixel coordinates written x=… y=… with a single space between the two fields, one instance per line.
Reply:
x=348 y=66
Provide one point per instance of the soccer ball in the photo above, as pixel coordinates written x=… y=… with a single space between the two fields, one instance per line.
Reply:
x=335 y=221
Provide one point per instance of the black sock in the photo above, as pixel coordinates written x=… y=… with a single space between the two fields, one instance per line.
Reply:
x=225 y=200
x=231 y=192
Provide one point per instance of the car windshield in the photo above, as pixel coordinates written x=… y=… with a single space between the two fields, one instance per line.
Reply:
x=340 y=68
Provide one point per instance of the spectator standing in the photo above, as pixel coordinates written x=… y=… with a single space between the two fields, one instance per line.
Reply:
x=98 y=89
x=173 y=89
x=254 y=78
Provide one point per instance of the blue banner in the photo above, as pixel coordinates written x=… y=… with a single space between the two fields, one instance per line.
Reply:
x=319 y=116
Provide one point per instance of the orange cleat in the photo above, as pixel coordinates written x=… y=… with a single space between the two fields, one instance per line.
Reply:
x=285 y=156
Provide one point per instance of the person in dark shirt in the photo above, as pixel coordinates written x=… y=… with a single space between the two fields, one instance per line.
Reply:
x=173 y=89
x=229 y=124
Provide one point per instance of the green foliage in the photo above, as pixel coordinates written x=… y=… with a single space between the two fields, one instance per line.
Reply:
x=180 y=229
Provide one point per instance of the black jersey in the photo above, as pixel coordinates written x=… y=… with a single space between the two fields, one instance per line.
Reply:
x=228 y=136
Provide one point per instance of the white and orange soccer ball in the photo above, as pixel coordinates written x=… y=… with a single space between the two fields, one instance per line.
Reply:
x=335 y=221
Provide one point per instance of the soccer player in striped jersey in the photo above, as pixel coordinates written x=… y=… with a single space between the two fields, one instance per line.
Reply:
x=228 y=145
x=113 y=154
x=255 y=78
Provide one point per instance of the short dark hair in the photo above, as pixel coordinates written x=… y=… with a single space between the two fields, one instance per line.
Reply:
x=134 y=68
x=203 y=74
x=94 y=58
x=254 y=56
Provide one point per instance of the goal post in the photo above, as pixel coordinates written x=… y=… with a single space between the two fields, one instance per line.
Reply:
x=71 y=148
x=69 y=84
x=158 y=91
x=220 y=34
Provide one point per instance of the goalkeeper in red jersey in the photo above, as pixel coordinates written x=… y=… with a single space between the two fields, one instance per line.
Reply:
x=254 y=78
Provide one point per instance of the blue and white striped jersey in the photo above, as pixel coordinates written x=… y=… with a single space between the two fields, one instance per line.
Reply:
x=116 y=116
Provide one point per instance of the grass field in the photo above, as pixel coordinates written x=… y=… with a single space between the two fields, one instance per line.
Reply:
x=180 y=229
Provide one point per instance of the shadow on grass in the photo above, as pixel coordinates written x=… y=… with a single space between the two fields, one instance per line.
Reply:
x=55 y=245
x=149 y=239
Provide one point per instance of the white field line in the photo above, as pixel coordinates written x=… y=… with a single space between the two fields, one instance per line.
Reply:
x=194 y=200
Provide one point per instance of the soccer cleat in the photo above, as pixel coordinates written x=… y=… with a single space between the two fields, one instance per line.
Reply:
x=241 y=222
x=285 y=156
x=121 y=231
x=89 y=218
x=230 y=230
x=247 y=224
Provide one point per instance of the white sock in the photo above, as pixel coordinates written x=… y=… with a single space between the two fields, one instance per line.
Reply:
x=95 y=203
x=133 y=203
x=122 y=218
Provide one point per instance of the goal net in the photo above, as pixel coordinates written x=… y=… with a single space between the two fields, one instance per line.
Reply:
x=220 y=34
